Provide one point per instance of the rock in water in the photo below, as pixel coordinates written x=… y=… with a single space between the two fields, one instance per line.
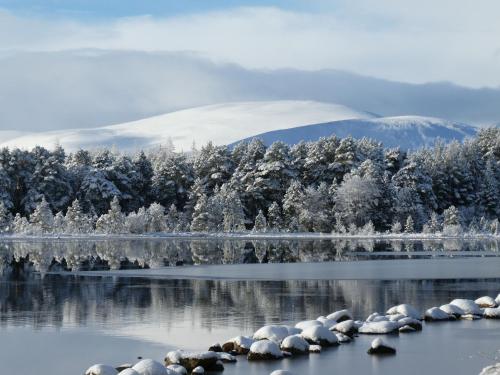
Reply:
x=314 y=349
x=264 y=350
x=272 y=332
x=492 y=313
x=491 y=370
x=319 y=336
x=191 y=360
x=406 y=310
x=435 y=314
x=215 y=348
x=347 y=327
x=128 y=371
x=486 y=301
x=295 y=344
x=239 y=345
x=452 y=310
x=340 y=316
x=308 y=323
x=150 y=367
x=380 y=347
x=383 y=327
x=198 y=370
x=101 y=370
x=468 y=306
x=177 y=369
x=281 y=372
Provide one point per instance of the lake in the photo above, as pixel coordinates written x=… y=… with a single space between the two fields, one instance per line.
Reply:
x=67 y=304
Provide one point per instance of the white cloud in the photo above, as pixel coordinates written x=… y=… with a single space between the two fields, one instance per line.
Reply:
x=400 y=40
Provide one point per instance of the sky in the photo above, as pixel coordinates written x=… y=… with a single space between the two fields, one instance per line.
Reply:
x=455 y=41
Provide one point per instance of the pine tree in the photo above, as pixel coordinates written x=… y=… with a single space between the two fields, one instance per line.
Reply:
x=42 y=219
x=275 y=217
x=409 y=225
x=77 y=222
x=21 y=225
x=234 y=216
x=260 y=223
x=172 y=218
x=396 y=227
x=157 y=220
x=451 y=221
x=112 y=222
x=6 y=225
x=202 y=217
x=293 y=202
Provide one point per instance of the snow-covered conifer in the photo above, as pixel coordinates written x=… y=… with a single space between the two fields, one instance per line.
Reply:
x=112 y=222
x=409 y=225
x=42 y=219
x=260 y=223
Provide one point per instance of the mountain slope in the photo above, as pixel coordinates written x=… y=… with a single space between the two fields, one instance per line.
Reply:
x=221 y=124
x=407 y=132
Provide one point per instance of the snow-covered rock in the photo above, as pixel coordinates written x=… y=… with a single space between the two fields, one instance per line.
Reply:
x=380 y=347
x=215 y=348
x=395 y=317
x=190 y=360
x=343 y=338
x=308 y=323
x=471 y=317
x=264 y=350
x=281 y=372
x=128 y=371
x=340 y=315
x=293 y=330
x=412 y=322
x=226 y=357
x=468 y=306
x=295 y=344
x=314 y=348
x=485 y=301
x=383 y=327
x=327 y=323
x=406 y=310
x=177 y=370
x=198 y=370
x=238 y=344
x=407 y=329
x=491 y=370
x=319 y=335
x=101 y=370
x=452 y=310
x=376 y=317
x=436 y=314
x=492 y=313
x=497 y=300
x=347 y=327
x=271 y=332
x=123 y=366
x=150 y=367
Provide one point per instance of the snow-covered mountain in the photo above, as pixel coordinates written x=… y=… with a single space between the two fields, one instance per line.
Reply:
x=407 y=132
x=221 y=124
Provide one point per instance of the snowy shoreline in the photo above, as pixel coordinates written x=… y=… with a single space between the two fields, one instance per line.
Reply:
x=253 y=236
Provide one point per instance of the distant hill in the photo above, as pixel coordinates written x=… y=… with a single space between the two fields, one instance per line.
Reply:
x=220 y=123
x=407 y=132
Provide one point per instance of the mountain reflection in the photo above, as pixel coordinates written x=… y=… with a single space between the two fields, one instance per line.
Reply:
x=79 y=255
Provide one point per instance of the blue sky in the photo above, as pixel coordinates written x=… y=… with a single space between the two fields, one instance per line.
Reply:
x=86 y=9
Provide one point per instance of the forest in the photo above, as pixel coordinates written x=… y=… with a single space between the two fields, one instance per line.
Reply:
x=345 y=186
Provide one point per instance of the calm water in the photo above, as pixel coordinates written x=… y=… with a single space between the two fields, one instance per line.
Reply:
x=59 y=322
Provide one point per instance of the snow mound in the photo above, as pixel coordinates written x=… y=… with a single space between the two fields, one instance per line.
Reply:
x=406 y=310
x=347 y=327
x=295 y=344
x=468 y=306
x=492 y=313
x=491 y=370
x=177 y=369
x=319 y=335
x=436 y=314
x=150 y=367
x=378 y=346
x=271 y=332
x=101 y=370
x=308 y=323
x=264 y=349
x=327 y=323
x=129 y=371
x=485 y=301
x=221 y=123
x=382 y=327
x=339 y=316
x=452 y=310
x=376 y=317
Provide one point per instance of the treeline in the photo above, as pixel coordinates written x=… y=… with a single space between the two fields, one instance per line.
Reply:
x=341 y=185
